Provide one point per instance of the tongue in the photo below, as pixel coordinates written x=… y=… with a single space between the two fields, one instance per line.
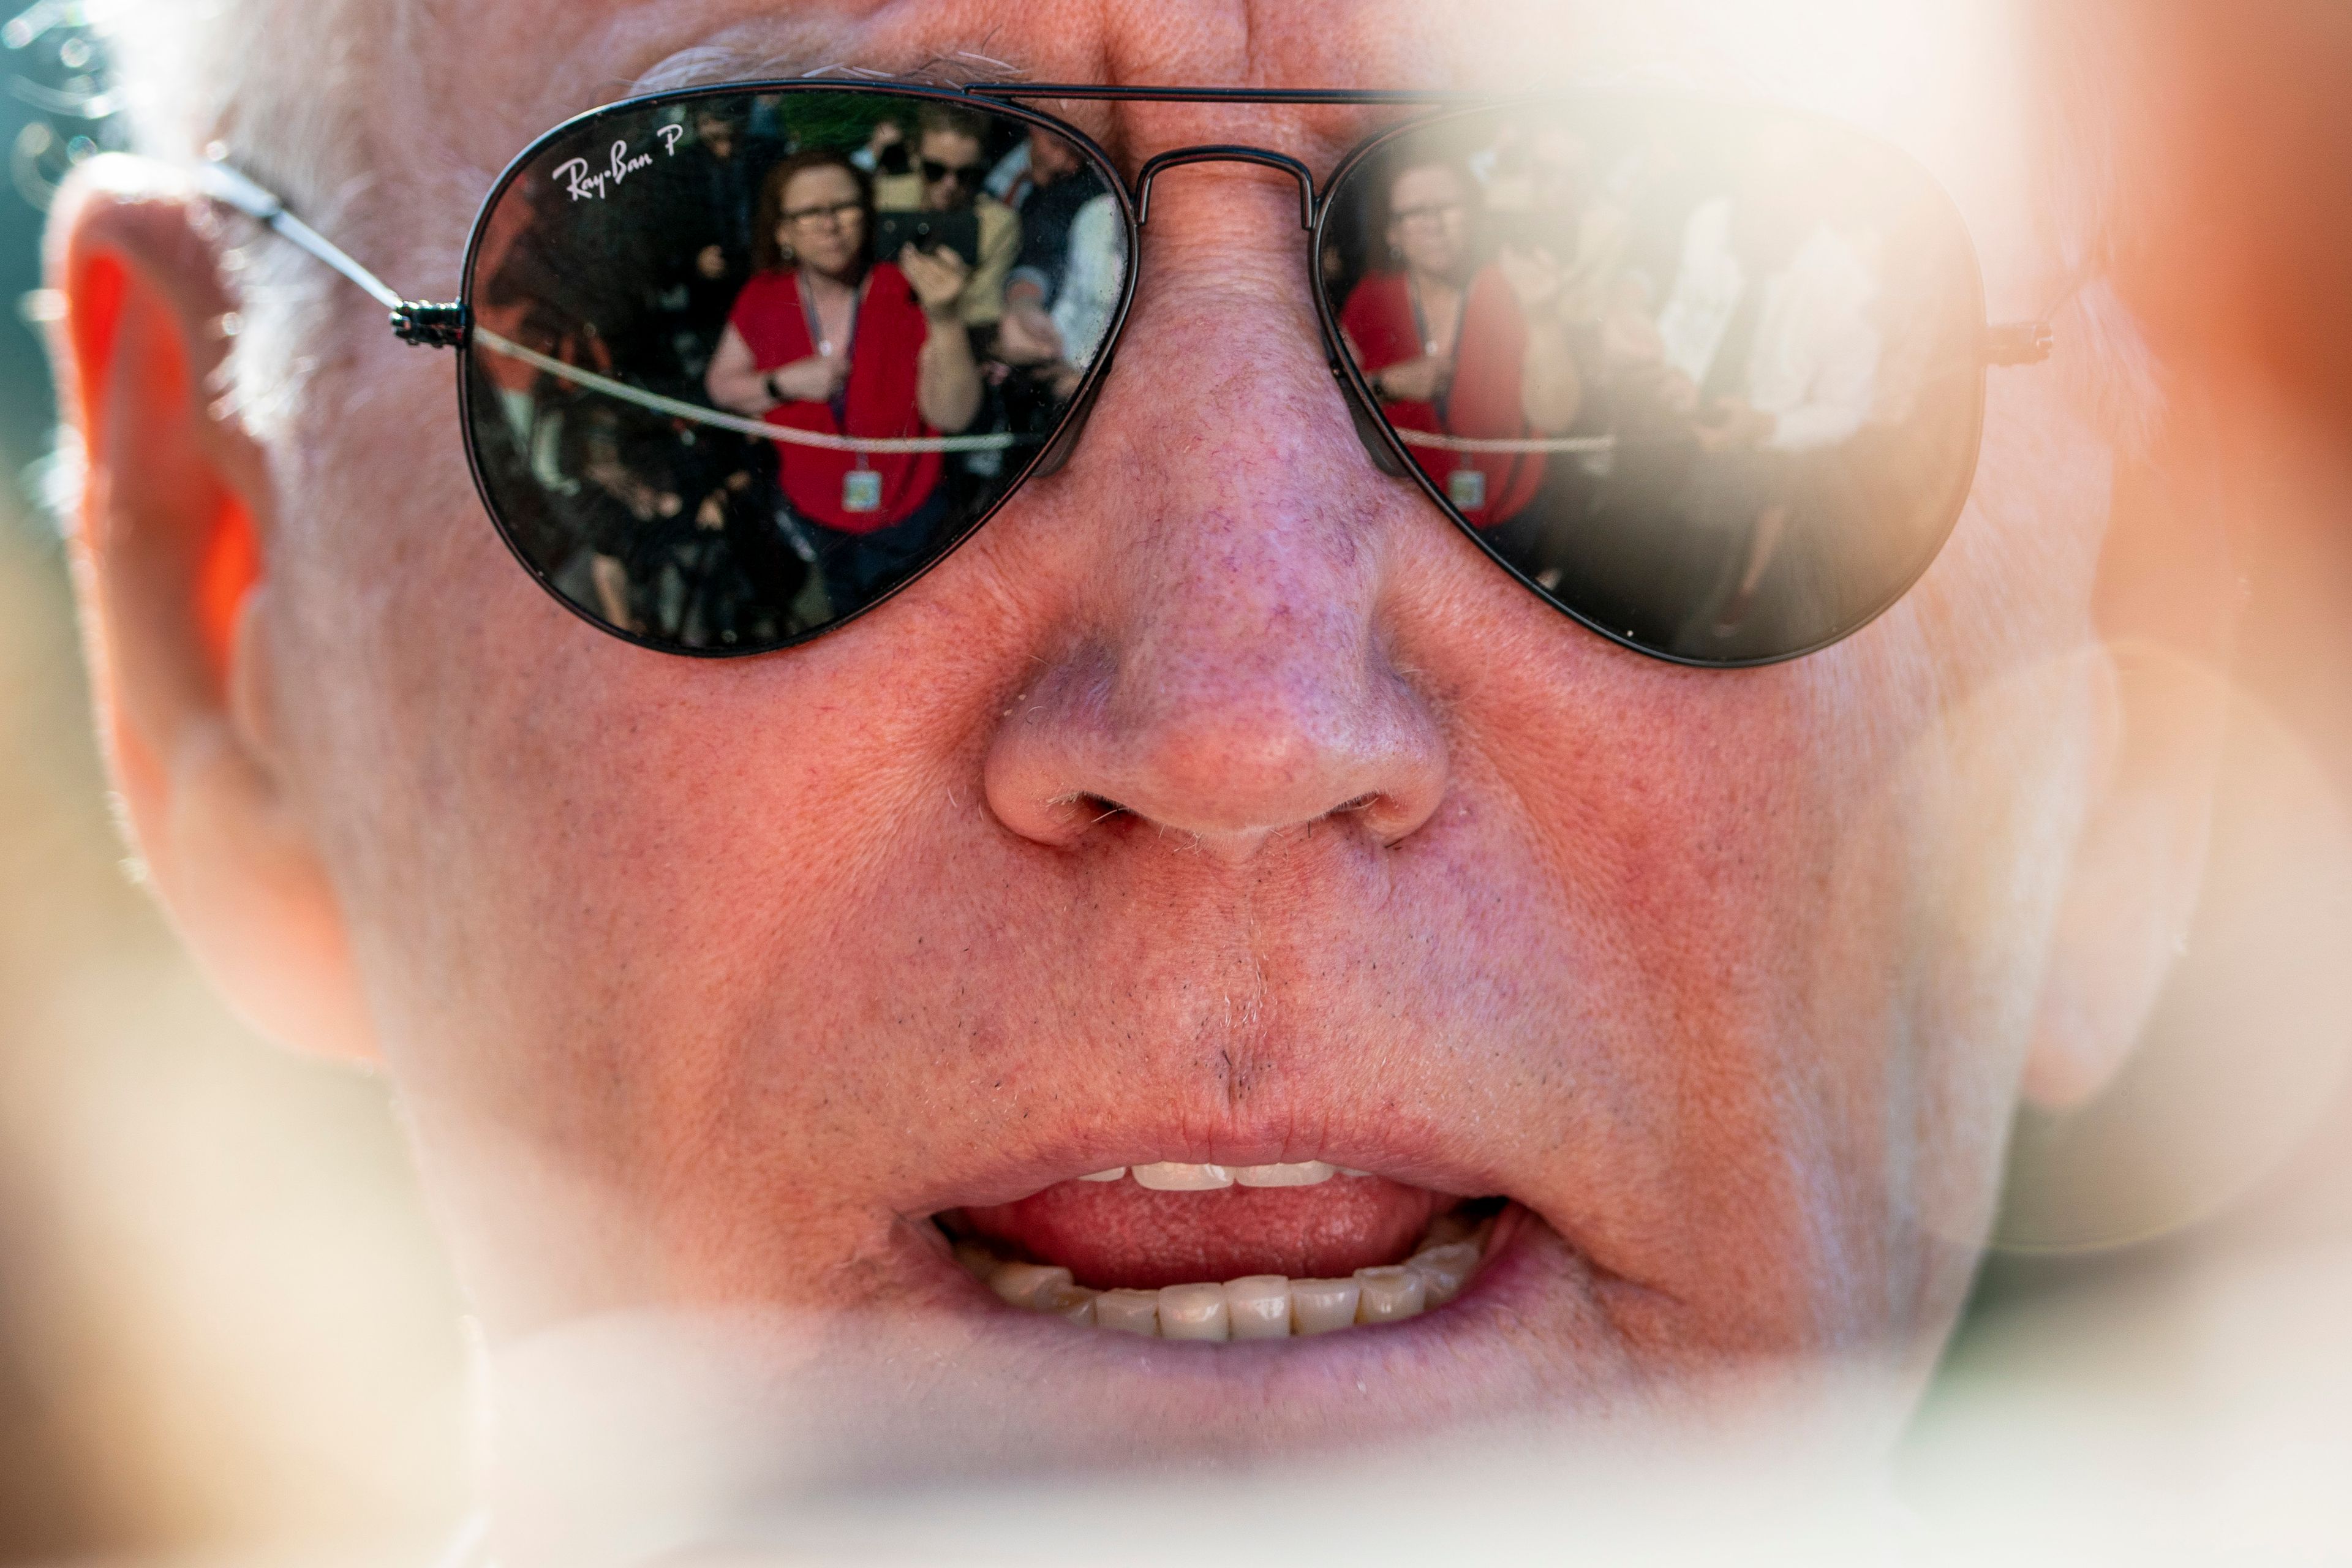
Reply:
x=1112 y=1235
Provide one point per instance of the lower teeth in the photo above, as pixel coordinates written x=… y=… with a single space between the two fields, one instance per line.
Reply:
x=1257 y=1307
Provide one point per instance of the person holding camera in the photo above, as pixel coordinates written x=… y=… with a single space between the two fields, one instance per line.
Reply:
x=1460 y=352
x=950 y=161
x=824 y=339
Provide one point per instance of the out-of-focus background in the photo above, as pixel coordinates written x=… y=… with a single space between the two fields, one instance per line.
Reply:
x=222 y=1322
x=223 y=1327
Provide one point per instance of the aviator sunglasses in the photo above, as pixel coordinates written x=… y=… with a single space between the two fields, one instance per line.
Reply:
x=1706 y=376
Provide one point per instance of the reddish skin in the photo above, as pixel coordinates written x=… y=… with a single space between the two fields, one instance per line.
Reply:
x=709 y=982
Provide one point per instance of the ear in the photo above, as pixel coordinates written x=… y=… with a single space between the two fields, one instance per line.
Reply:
x=172 y=567
x=2164 y=604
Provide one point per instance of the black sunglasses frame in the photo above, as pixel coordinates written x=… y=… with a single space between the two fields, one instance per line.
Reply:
x=450 y=325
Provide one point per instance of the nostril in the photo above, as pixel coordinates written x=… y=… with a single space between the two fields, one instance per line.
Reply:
x=1079 y=810
x=1100 y=808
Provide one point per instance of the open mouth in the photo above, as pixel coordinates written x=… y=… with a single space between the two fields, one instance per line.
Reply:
x=1216 y=1252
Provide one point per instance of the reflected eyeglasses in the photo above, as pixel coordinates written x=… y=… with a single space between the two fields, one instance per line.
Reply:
x=835 y=212
x=1709 y=377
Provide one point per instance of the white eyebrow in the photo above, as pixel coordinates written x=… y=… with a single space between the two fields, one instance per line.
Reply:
x=708 y=64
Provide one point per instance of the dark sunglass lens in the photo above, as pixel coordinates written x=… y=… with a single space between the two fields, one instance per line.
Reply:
x=1710 y=377
x=726 y=385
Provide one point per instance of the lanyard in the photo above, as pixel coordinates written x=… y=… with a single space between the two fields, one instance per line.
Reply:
x=1421 y=331
x=840 y=402
x=1421 y=317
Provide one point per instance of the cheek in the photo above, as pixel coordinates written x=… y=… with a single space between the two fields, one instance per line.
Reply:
x=560 y=847
x=1811 y=903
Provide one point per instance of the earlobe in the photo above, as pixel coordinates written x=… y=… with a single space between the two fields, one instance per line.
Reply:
x=2165 y=605
x=172 y=569
x=248 y=887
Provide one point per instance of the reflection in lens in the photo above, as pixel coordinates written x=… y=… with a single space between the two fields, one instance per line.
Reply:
x=1710 y=377
x=743 y=363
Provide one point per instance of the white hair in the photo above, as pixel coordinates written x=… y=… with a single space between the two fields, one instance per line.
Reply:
x=277 y=81
x=278 y=86
x=282 y=85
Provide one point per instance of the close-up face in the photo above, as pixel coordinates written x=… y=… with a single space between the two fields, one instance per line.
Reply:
x=1051 y=157
x=1429 y=220
x=951 y=167
x=822 y=223
x=1221 y=865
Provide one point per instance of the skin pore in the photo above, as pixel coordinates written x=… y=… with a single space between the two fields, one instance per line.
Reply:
x=1218 y=801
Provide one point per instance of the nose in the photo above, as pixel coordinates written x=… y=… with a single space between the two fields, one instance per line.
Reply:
x=1225 y=670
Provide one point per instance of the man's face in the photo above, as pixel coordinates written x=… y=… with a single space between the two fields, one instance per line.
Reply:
x=1051 y=157
x=1217 y=801
x=953 y=168
x=1429 y=222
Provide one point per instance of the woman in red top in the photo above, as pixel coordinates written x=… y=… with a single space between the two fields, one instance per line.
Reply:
x=826 y=340
x=1456 y=350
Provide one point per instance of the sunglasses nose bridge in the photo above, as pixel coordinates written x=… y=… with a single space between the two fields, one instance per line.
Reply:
x=1221 y=153
x=1367 y=425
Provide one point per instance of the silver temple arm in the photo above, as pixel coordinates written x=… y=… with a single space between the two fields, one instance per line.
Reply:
x=428 y=325
x=445 y=326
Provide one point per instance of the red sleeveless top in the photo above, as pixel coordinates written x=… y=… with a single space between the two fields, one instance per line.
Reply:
x=878 y=401
x=1489 y=358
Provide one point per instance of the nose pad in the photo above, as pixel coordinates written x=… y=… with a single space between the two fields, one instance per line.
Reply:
x=1065 y=439
x=1367 y=428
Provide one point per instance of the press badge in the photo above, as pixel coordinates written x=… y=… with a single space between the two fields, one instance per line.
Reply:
x=861 y=490
x=1467 y=487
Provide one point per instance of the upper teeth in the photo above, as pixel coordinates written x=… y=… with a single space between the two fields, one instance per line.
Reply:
x=1170 y=1177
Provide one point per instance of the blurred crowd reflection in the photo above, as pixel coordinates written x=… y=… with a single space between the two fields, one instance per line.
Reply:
x=746 y=366
x=816 y=346
x=1702 y=386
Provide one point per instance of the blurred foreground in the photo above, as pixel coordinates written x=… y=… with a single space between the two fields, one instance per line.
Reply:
x=225 y=1328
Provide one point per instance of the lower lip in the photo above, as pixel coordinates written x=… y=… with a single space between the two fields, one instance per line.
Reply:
x=958 y=1383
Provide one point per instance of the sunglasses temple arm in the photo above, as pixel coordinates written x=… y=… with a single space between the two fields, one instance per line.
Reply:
x=440 y=326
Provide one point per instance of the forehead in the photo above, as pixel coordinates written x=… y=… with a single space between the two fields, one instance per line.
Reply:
x=1426 y=180
x=824 y=180
x=1938 y=76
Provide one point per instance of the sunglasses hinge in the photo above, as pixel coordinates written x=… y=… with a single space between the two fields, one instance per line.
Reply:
x=430 y=326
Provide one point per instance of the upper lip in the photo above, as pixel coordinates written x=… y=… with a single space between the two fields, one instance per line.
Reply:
x=1420 y=1160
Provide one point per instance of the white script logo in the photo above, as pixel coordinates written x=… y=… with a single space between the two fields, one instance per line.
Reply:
x=593 y=185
